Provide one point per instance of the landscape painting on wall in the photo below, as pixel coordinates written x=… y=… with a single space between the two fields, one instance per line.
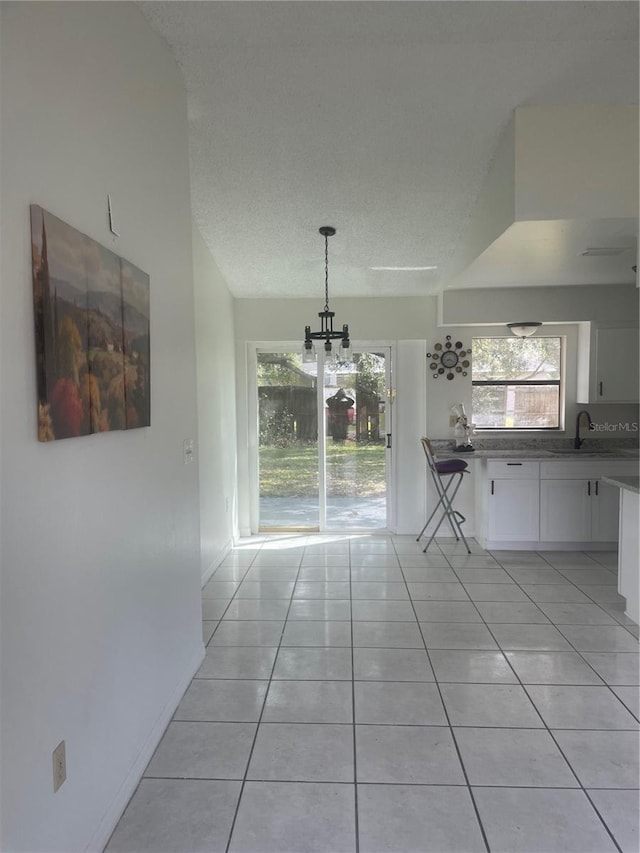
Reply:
x=92 y=333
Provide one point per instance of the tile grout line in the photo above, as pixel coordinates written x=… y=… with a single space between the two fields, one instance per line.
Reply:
x=255 y=736
x=573 y=647
x=483 y=621
x=353 y=623
x=233 y=598
x=515 y=583
x=353 y=711
x=554 y=624
x=568 y=580
x=452 y=733
x=558 y=747
x=550 y=732
x=462 y=785
x=582 y=787
x=259 y=723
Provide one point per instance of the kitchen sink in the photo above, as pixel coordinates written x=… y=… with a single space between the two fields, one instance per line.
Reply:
x=570 y=451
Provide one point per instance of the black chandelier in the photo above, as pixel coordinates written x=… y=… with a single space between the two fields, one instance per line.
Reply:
x=326 y=333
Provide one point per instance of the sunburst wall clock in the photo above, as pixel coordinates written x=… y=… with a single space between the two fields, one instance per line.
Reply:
x=449 y=359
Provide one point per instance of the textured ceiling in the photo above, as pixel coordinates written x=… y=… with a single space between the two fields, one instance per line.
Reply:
x=379 y=118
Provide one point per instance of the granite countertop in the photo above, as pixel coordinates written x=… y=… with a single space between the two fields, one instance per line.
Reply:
x=548 y=454
x=538 y=449
x=632 y=484
x=525 y=453
x=537 y=454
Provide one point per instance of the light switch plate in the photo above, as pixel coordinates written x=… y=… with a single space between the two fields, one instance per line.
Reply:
x=188 y=452
x=59 y=766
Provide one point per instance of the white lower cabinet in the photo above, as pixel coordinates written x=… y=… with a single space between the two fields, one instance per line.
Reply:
x=565 y=510
x=605 y=513
x=513 y=510
x=541 y=504
x=578 y=506
x=511 y=501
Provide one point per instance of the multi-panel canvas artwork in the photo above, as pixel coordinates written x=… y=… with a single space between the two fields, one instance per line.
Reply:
x=92 y=333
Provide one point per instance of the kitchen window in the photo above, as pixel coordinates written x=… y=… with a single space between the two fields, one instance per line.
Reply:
x=516 y=383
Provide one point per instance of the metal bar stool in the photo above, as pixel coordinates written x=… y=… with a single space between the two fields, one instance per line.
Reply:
x=455 y=468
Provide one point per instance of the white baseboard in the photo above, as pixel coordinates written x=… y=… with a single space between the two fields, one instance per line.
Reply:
x=214 y=565
x=490 y=545
x=119 y=803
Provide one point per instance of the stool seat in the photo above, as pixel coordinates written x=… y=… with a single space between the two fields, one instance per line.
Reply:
x=450 y=466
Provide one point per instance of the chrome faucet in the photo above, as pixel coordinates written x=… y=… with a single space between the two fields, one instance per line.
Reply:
x=577 y=441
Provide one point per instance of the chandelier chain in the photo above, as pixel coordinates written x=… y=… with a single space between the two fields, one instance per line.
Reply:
x=326 y=332
x=326 y=272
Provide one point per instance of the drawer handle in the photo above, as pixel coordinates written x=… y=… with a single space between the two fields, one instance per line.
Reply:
x=514 y=464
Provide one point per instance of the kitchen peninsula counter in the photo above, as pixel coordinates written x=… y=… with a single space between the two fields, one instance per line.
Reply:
x=629 y=545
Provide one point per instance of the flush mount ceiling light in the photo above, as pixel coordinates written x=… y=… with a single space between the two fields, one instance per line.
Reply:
x=523 y=330
x=604 y=251
x=404 y=269
x=326 y=332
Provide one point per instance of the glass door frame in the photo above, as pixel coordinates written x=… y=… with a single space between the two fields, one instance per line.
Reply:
x=253 y=349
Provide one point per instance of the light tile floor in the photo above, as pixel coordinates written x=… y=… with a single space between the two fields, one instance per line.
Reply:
x=359 y=695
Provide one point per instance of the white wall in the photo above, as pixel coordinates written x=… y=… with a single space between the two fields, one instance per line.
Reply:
x=214 y=308
x=100 y=553
x=610 y=303
x=555 y=163
x=576 y=162
x=410 y=406
x=494 y=209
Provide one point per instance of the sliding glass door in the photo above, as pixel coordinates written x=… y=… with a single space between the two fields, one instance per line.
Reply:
x=324 y=437
x=288 y=449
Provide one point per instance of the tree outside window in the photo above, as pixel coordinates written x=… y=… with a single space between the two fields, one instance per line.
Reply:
x=516 y=383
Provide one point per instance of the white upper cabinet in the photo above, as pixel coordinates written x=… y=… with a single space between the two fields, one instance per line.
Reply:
x=617 y=365
x=608 y=365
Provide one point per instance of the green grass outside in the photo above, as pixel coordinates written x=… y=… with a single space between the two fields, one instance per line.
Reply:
x=352 y=470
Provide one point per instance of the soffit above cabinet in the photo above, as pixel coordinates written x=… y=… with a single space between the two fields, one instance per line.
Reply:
x=560 y=203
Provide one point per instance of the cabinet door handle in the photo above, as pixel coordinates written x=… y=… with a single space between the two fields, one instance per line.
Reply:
x=600 y=388
x=596 y=484
x=589 y=487
x=492 y=487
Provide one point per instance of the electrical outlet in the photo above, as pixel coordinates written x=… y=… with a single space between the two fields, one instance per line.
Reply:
x=453 y=420
x=59 y=766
